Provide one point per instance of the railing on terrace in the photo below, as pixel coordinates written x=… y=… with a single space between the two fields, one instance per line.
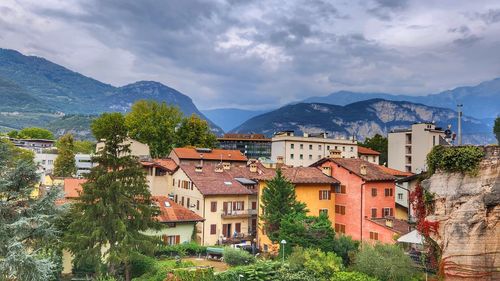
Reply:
x=238 y=213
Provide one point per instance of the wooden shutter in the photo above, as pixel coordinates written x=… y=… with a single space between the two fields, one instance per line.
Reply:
x=177 y=239
x=374 y=213
x=189 y=202
x=243 y=205
x=342 y=189
x=254 y=205
x=237 y=227
x=213 y=206
x=320 y=197
x=234 y=205
x=213 y=229
x=197 y=204
x=391 y=212
x=329 y=195
x=224 y=230
x=374 y=192
x=224 y=207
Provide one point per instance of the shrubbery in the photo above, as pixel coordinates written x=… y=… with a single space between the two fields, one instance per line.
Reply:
x=316 y=263
x=184 y=249
x=461 y=159
x=160 y=270
x=259 y=271
x=235 y=257
x=351 y=276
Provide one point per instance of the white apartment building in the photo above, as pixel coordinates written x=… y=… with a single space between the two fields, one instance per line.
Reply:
x=408 y=148
x=45 y=163
x=304 y=150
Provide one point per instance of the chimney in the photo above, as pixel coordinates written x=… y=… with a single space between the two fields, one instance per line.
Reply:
x=226 y=166
x=253 y=168
x=334 y=153
x=389 y=223
x=198 y=169
x=219 y=168
x=327 y=170
x=306 y=135
x=279 y=160
x=362 y=169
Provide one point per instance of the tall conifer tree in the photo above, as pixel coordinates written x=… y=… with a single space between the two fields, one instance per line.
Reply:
x=65 y=164
x=115 y=205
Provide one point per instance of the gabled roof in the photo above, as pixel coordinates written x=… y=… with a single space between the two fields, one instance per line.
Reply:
x=167 y=164
x=173 y=212
x=353 y=165
x=301 y=175
x=213 y=154
x=367 y=151
x=399 y=226
x=396 y=173
x=72 y=187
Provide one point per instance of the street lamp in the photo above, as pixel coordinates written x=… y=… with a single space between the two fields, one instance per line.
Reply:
x=283 y=243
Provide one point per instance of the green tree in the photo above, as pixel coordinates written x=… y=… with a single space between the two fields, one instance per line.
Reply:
x=384 y=262
x=318 y=264
x=496 y=129
x=13 y=134
x=65 y=164
x=85 y=147
x=28 y=235
x=345 y=247
x=378 y=143
x=154 y=124
x=194 y=131
x=35 y=133
x=278 y=201
x=115 y=205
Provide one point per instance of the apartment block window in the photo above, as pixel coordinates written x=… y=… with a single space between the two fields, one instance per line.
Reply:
x=292 y=146
x=291 y=156
x=182 y=201
x=171 y=239
x=50 y=162
x=43 y=162
x=433 y=140
x=336 y=147
x=374 y=192
x=327 y=147
x=374 y=212
x=340 y=209
x=175 y=198
x=213 y=229
x=323 y=211
x=319 y=156
x=340 y=228
x=388 y=192
x=373 y=235
x=343 y=148
x=173 y=182
x=213 y=206
x=319 y=147
x=387 y=212
x=301 y=146
x=310 y=157
x=340 y=189
x=310 y=147
x=301 y=156
x=198 y=205
x=254 y=205
x=188 y=203
x=352 y=148
x=238 y=205
x=400 y=196
x=325 y=195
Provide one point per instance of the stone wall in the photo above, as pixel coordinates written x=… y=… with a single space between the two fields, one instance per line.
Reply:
x=468 y=209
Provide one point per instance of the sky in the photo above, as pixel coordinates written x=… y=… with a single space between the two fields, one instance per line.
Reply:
x=261 y=54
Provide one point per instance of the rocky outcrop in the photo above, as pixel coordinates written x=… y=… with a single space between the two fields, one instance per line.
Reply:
x=468 y=211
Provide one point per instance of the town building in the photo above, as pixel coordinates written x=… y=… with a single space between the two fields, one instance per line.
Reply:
x=304 y=150
x=159 y=175
x=408 y=148
x=45 y=163
x=369 y=155
x=364 y=200
x=35 y=145
x=200 y=156
x=402 y=195
x=136 y=148
x=254 y=146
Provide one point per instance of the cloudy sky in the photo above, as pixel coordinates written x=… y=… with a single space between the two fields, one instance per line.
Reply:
x=260 y=54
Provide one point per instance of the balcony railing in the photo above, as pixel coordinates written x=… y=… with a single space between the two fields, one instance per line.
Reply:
x=238 y=213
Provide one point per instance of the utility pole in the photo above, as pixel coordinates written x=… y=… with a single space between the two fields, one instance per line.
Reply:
x=459 y=110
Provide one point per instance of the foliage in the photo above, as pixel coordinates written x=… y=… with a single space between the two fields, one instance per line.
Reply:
x=385 y=262
x=161 y=269
x=85 y=147
x=235 y=257
x=189 y=274
x=461 y=159
x=259 y=271
x=278 y=201
x=345 y=247
x=496 y=129
x=378 y=143
x=351 y=276
x=65 y=164
x=194 y=131
x=28 y=236
x=154 y=123
x=35 y=133
x=115 y=203
x=141 y=264
x=184 y=249
x=319 y=264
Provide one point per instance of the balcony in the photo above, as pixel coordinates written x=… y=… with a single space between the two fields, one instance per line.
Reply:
x=238 y=214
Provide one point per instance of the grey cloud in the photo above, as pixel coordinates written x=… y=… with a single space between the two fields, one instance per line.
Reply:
x=467 y=40
x=490 y=17
x=463 y=29
x=385 y=9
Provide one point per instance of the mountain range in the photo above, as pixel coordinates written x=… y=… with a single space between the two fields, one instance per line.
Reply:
x=362 y=119
x=230 y=118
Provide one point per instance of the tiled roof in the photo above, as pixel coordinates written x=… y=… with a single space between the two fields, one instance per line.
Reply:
x=399 y=226
x=174 y=212
x=367 y=151
x=72 y=186
x=396 y=173
x=300 y=175
x=210 y=182
x=373 y=171
x=214 y=154
x=167 y=164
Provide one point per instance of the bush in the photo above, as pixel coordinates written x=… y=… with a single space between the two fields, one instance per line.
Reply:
x=235 y=257
x=317 y=263
x=351 y=276
x=189 y=274
x=345 y=248
x=140 y=264
x=385 y=262
x=260 y=271
x=161 y=269
x=185 y=249
x=461 y=159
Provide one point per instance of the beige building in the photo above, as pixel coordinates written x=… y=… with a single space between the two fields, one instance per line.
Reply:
x=159 y=175
x=408 y=148
x=369 y=155
x=136 y=148
x=302 y=151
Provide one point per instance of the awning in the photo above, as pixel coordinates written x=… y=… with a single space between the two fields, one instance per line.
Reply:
x=413 y=237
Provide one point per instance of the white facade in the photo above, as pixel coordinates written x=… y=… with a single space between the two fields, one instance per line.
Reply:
x=83 y=164
x=45 y=163
x=408 y=149
x=304 y=150
x=138 y=149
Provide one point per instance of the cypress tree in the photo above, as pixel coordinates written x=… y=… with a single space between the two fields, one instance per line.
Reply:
x=278 y=201
x=65 y=164
x=115 y=203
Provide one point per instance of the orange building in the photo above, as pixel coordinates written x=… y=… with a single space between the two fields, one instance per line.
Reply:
x=364 y=200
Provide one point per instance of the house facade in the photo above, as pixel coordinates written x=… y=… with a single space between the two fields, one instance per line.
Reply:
x=369 y=155
x=254 y=146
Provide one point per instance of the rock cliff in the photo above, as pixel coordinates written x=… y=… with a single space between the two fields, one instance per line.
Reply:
x=468 y=211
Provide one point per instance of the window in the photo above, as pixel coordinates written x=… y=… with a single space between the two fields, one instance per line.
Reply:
x=171 y=239
x=254 y=205
x=171 y=224
x=50 y=162
x=213 y=206
x=319 y=147
x=340 y=189
x=373 y=235
x=327 y=147
x=301 y=156
x=400 y=196
x=291 y=156
x=176 y=198
x=188 y=203
x=197 y=204
x=324 y=195
x=238 y=205
x=301 y=146
x=173 y=182
x=433 y=140
x=388 y=192
x=374 y=212
x=340 y=228
x=387 y=212
x=43 y=162
x=159 y=172
x=213 y=229
x=310 y=157
x=343 y=148
x=310 y=147
x=292 y=146
x=237 y=227
x=374 y=192
x=352 y=148
x=182 y=201
x=336 y=147
x=339 y=209
x=323 y=211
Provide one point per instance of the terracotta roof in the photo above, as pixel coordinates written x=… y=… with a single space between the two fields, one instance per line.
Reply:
x=396 y=173
x=210 y=182
x=373 y=171
x=214 y=154
x=300 y=175
x=367 y=151
x=174 y=212
x=399 y=226
x=72 y=187
x=167 y=164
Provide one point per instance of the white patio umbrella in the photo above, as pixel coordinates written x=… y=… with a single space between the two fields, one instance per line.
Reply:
x=412 y=237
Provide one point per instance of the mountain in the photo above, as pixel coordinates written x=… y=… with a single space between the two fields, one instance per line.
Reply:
x=32 y=87
x=229 y=118
x=362 y=119
x=480 y=101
